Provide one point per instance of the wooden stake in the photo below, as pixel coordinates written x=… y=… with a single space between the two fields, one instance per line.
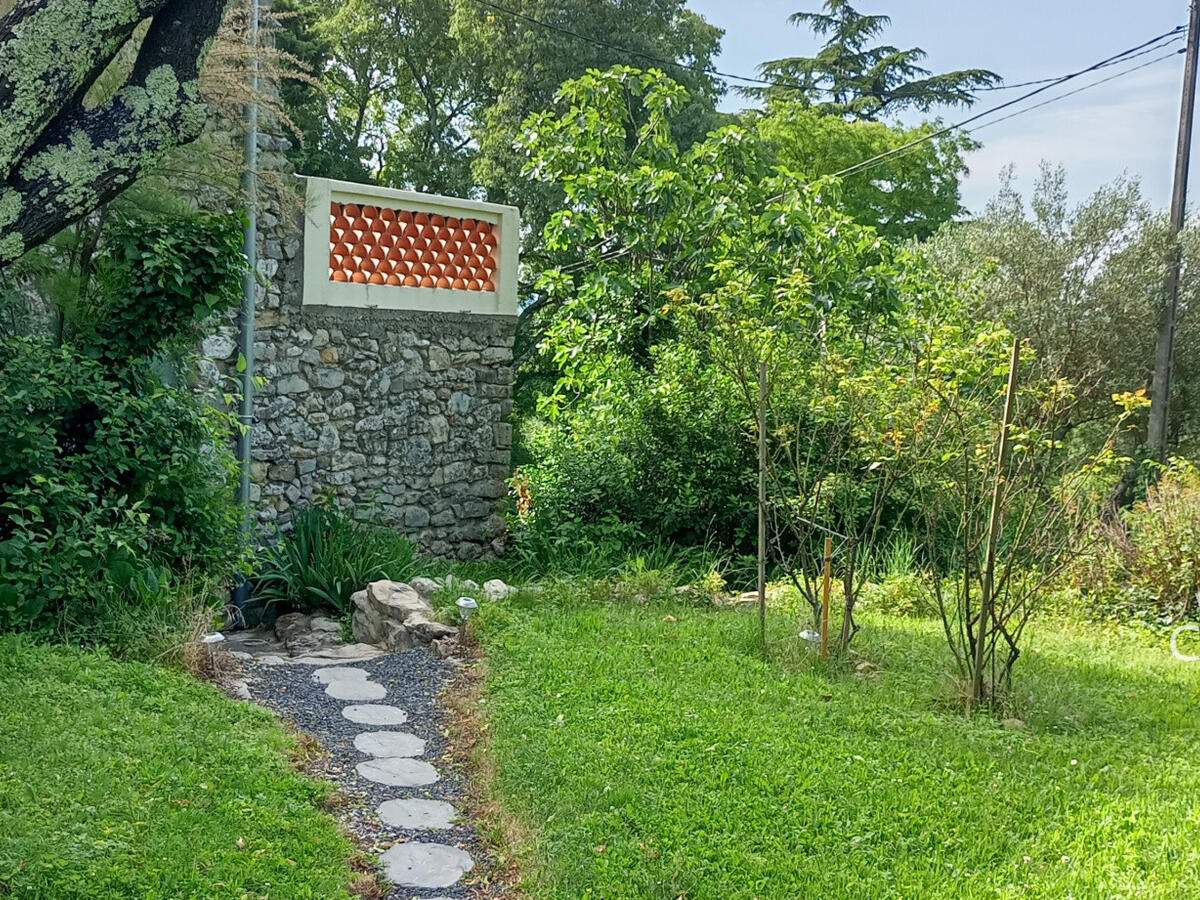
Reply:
x=987 y=598
x=762 y=503
x=825 y=600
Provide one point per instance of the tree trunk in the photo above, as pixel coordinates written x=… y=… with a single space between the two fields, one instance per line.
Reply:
x=59 y=159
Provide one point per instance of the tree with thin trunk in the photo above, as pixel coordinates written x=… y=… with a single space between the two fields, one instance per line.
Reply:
x=61 y=157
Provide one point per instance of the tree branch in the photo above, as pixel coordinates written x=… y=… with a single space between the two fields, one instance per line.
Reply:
x=85 y=157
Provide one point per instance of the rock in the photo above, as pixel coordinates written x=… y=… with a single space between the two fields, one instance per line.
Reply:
x=398 y=771
x=394 y=615
x=497 y=589
x=426 y=630
x=416 y=813
x=301 y=634
x=239 y=689
x=355 y=689
x=291 y=625
x=218 y=346
x=375 y=714
x=416 y=864
x=389 y=743
x=425 y=587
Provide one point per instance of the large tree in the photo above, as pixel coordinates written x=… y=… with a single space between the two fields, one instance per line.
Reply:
x=395 y=95
x=1081 y=285
x=525 y=64
x=852 y=77
x=61 y=157
x=908 y=195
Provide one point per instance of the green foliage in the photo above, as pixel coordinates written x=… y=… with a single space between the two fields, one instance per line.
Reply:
x=158 y=282
x=1081 y=285
x=851 y=78
x=129 y=780
x=104 y=486
x=431 y=94
x=117 y=489
x=1146 y=564
x=622 y=733
x=907 y=196
x=327 y=556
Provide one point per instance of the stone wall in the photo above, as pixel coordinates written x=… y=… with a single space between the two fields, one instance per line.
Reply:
x=400 y=415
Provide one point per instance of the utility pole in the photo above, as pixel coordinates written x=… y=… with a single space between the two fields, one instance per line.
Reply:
x=1164 y=344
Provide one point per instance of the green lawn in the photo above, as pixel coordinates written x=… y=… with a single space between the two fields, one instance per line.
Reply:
x=121 y=780
x=659 y=759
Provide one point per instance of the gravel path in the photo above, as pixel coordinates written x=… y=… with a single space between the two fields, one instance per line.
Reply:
x=412 y=680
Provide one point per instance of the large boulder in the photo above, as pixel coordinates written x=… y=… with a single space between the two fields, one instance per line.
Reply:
x=391 y=614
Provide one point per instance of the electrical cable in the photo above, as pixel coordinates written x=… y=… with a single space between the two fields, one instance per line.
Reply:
x=1117 y=57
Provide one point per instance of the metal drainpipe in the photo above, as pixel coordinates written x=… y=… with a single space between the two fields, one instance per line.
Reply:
x=241 y=589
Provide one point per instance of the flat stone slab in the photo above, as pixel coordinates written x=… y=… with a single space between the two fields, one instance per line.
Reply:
x=357 y=689
x=375 y=714
x=398 y=771
x=417 y=813
x=425 y=865
x=330 y=674
x=389 y=743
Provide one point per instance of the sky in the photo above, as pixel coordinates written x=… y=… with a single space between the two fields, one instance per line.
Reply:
x=1127 y=126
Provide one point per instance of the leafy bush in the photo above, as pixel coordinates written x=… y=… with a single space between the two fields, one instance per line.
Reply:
x=103 y=487
x=117 y=487
x=158 y=282
x=1147 y=564
x=327 y=556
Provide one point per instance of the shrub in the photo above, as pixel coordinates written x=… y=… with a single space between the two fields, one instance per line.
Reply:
x=102 y=487
x=117 y=485
x=327 y=556
x=1147 y=564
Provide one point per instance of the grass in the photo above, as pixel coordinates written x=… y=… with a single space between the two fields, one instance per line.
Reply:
x=123 y=780
x=649 y=752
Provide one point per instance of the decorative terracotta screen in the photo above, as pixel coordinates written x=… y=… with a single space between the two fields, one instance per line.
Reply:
x=376 y=247
x=371 y=244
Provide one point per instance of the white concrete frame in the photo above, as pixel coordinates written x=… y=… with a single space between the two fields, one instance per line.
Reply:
x=319 y=290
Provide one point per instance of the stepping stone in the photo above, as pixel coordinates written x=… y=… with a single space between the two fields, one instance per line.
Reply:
x=355 y=689
x=417 y=813
x=425 y=865
x=375 y=714
x=389 y=743
x=398 y=771
x=330 y=674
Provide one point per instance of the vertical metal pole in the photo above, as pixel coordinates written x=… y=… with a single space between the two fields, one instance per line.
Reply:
x=241 y=591
x=1164 y=343
x=762 y=503
x=825 y=599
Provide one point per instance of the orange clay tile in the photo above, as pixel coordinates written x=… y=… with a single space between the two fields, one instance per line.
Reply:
x=383 y=245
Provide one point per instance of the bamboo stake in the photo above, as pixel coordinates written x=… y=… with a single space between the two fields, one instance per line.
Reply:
x=825 y=600
x=987 y=600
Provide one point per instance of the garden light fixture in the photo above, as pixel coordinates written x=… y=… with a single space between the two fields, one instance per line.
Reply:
x=466 y=606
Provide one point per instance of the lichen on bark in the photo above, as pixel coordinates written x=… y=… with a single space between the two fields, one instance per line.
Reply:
x=59 y=159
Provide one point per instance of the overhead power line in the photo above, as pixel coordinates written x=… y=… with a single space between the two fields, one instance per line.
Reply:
x=1104 y=63
x=1056 y=78
x=1079 y=90
x=1175 y=34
